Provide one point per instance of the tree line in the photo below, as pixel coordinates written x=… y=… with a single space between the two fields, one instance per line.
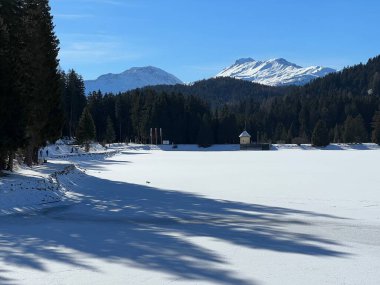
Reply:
x=292 y=118
x=224 y=90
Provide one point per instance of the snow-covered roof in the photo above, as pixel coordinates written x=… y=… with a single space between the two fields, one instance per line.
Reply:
x=245 y=134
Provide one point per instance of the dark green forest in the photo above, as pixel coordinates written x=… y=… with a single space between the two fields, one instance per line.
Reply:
x=40 y=103
x=224 y=90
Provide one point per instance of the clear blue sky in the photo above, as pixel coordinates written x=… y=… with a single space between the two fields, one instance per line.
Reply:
x=195 y=39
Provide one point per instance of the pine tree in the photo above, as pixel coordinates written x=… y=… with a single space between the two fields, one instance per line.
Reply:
x=349 y=136
x=44 y=97
x=280 y=133
x=375 y=83
x=74 y=101
x=376 y=128
x=320 y=135
x=226 y=127
x=354 y=130
x=110 y=133
x=361 y=134
x=337 y=135
x=118 y=116
x=12 y=81
x=96 y=105
x=86 y=131
x=291 y=133
x=205 y=134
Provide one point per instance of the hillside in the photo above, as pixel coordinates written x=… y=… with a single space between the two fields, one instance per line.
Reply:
x=219 y=91
x=360 y=79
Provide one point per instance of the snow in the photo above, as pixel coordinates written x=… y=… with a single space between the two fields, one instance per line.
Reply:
x=34 y=188
x=28 y=189
x=157 y=215
x=135 y=77
x=273 y=72
x=245 y=134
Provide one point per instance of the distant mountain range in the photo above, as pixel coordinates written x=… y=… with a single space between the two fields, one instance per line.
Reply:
x=273 y=72
x=136 y=77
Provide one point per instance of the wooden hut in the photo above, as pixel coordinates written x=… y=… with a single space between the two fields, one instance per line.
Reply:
x=245 y=138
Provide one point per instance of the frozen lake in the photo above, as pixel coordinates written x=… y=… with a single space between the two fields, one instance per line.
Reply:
x=217 y=217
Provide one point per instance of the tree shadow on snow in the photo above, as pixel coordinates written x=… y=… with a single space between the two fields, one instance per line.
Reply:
x=150 y=228
x=97 y=163
x=4 y=280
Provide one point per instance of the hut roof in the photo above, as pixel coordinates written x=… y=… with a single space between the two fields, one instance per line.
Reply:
x=245 y=134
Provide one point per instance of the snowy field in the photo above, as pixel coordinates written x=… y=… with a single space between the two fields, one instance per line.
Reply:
x=150 y=216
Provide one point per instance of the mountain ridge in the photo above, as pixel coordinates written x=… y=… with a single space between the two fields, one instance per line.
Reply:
x=135 y=77
x=273 y=72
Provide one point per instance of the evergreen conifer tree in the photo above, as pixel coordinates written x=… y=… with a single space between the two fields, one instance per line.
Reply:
x=118 y=113
x=86 y=131
x=110 y=132
x=376 y=128
x=355 y=130
x=337 y=134
x=74 y=101
x=226 y=127
x=320 y=135
x=44 y=97
x=12 y=80
x=205 y=134
x=291 y=133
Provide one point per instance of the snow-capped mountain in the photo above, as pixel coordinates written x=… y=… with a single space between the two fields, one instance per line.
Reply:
x=136 y=77
x=274 y=72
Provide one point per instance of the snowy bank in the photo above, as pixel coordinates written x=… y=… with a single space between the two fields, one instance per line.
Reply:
x=29 y=189
x=236 y=147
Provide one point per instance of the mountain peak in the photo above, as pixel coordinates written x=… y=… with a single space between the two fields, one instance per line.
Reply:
x=274 y=72
x=283 y=61
x=244 y=60
x=135 y=77
x=143 y=68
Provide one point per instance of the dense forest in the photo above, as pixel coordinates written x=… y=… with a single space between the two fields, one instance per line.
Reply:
x=39 y=103
x=224 y=90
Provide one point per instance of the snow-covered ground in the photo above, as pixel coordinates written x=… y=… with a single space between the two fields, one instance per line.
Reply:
x=152 y=216
x=32 y=188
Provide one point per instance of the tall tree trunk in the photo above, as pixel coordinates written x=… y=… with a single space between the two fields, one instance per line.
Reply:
x=2 y=160
x=71 y=120
x=120 y=140
x=28 y=154
x=35 y=155
x=11 y=156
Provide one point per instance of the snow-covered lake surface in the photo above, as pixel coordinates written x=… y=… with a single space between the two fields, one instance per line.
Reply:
x=149 y=216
